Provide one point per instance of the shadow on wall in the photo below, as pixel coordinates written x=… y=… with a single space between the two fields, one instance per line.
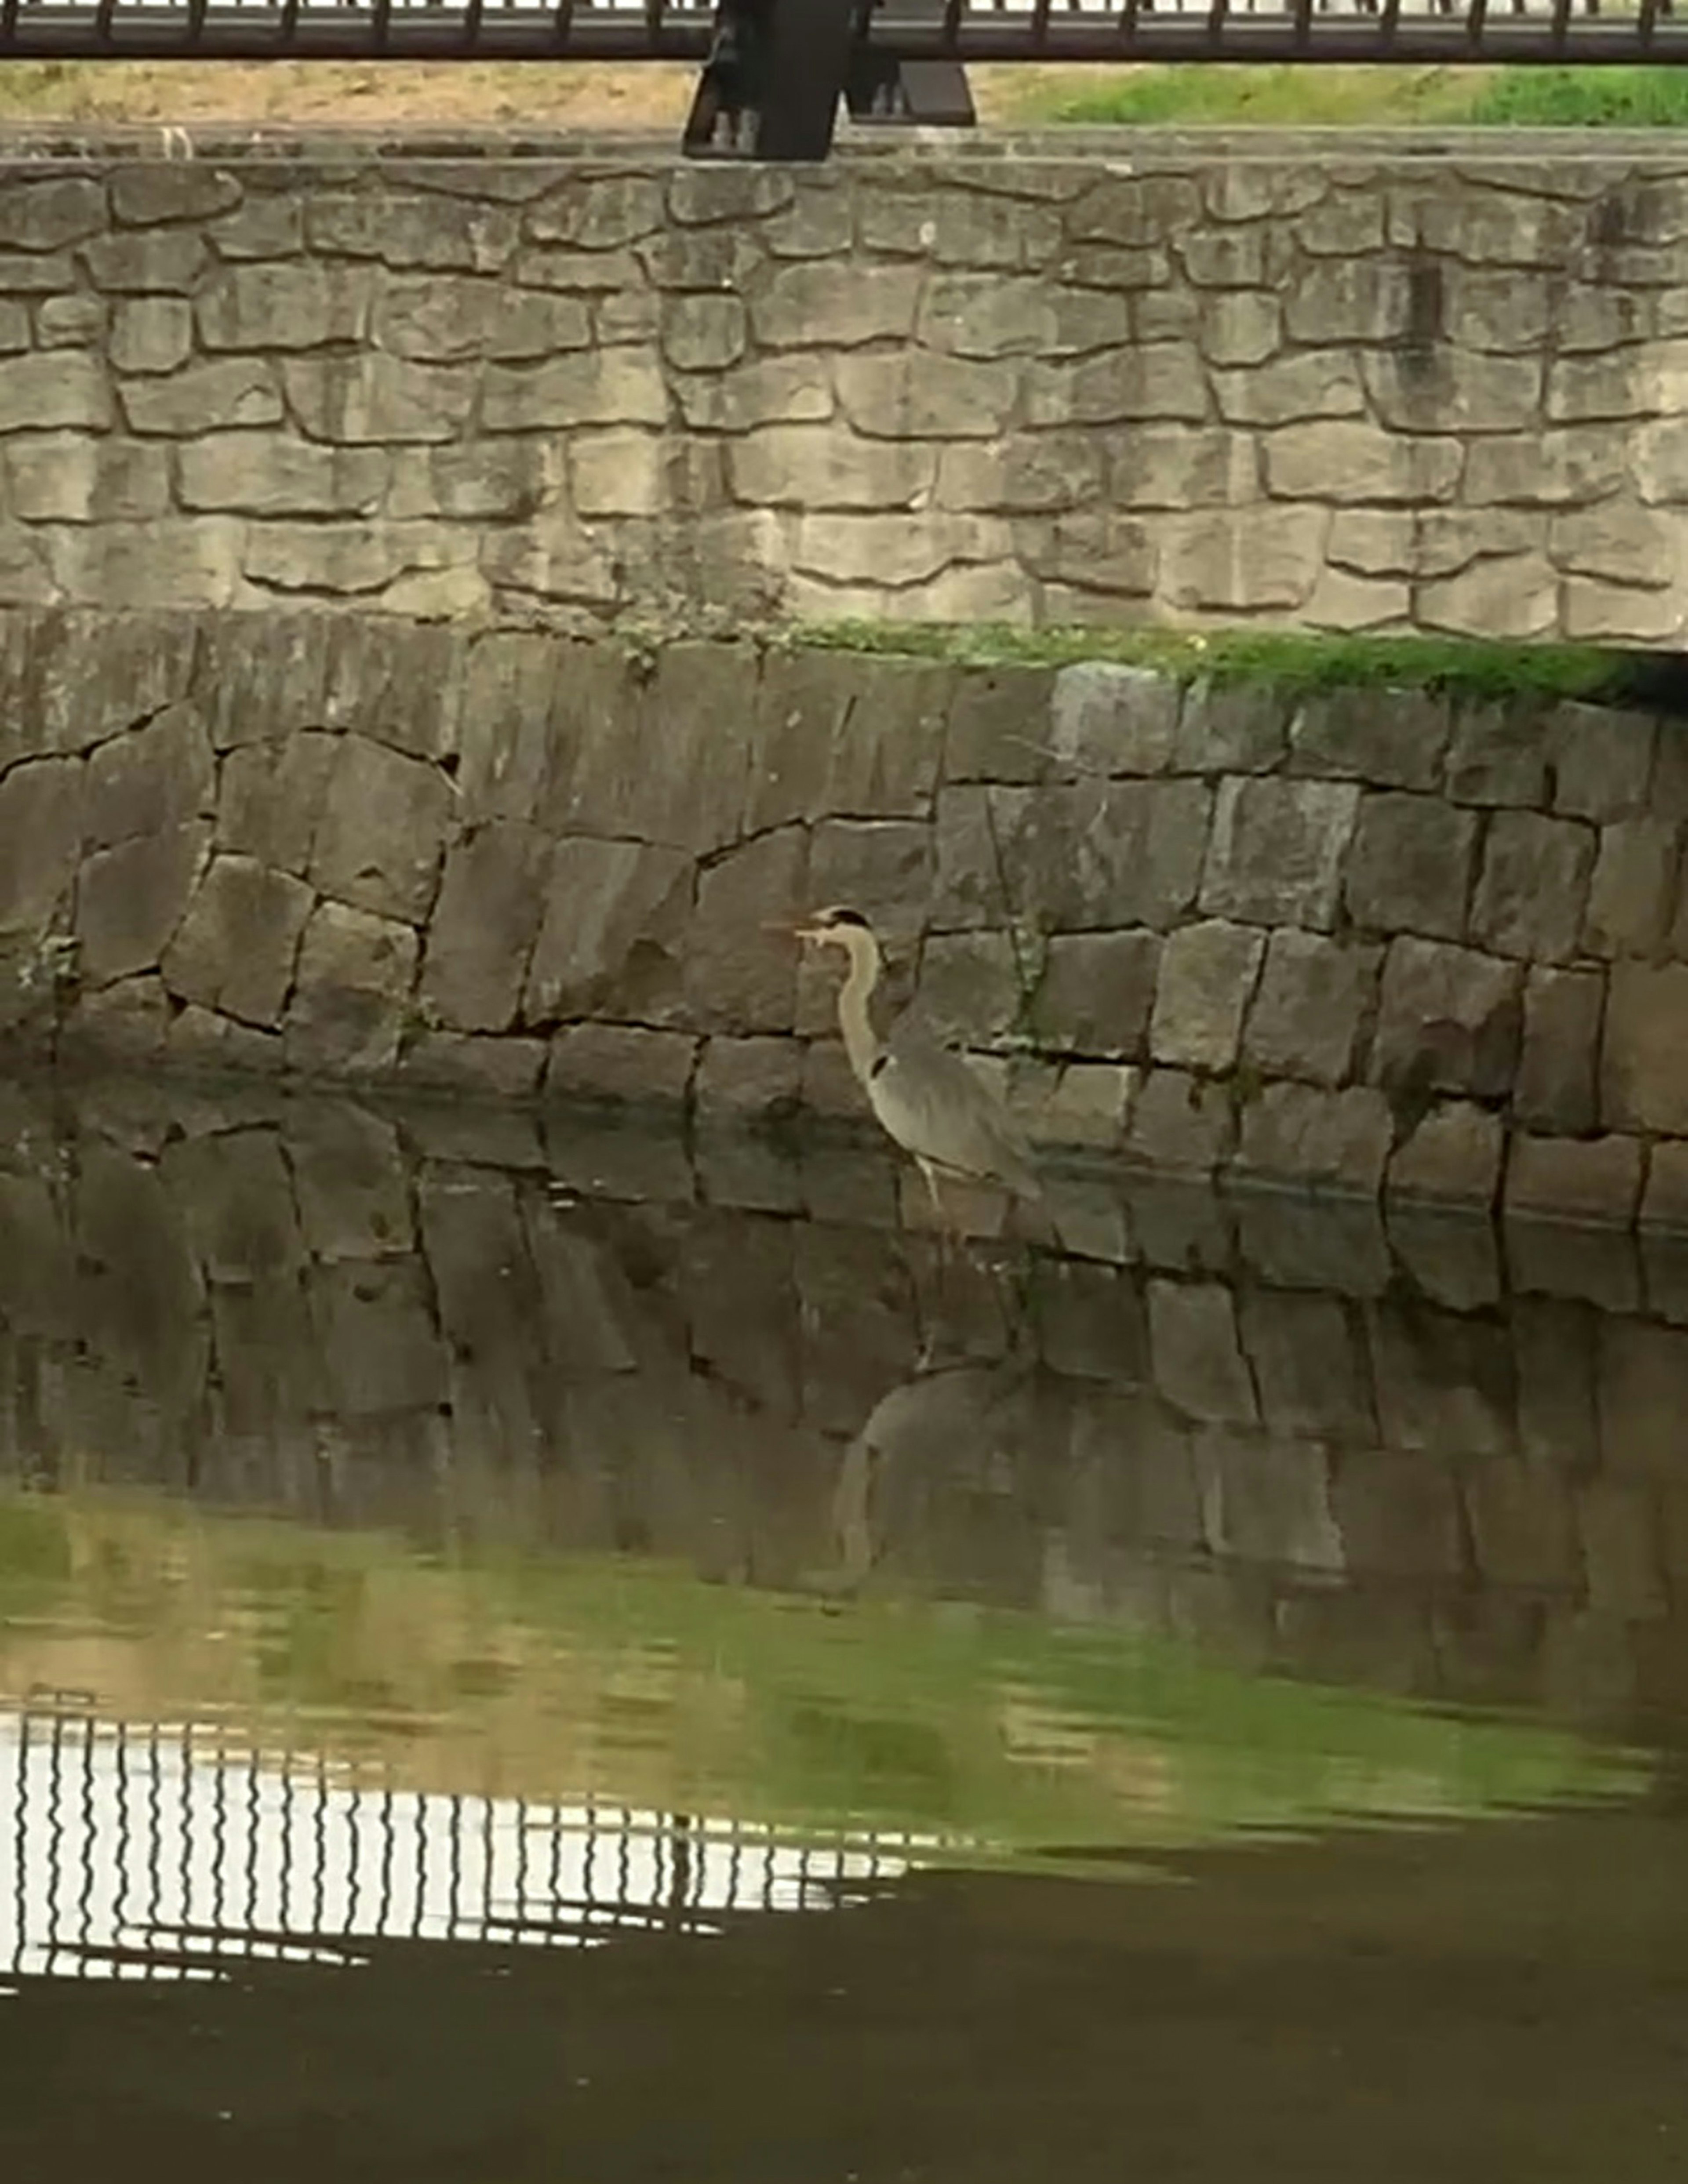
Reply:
x=1442 y=1460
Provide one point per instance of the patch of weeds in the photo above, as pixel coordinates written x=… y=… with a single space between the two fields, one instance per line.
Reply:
x=1289 y=660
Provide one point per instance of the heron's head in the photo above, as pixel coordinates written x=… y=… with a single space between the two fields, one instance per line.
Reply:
x=836 y=927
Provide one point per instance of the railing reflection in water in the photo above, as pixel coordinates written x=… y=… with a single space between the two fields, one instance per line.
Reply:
x=165 y=1851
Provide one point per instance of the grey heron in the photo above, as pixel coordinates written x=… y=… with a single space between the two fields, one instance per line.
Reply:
x=923 y=1095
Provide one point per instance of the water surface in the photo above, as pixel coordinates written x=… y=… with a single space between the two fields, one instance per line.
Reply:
x=549 y=1651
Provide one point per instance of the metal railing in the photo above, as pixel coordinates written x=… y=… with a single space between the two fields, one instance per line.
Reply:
x=1076 y=30
x=163 y=1851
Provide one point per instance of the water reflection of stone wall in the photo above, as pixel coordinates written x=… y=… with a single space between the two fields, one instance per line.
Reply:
x=1442 y=1459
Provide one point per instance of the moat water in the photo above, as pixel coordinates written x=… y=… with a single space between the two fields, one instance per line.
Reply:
x=537 y=1649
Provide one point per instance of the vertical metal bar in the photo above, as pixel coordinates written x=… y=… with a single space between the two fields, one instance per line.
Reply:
x=55 y=1837
x=456 y=1869
x=86 y=1905
x=1304 y=24
x=288 y=29
x=471 y=25
x=252 y=1801
x=562 y=23
x=1649 y=18
x=952 y=23
x=8 y=25
x=184 y=1867
x=1128 y=26
x=20 y=1838
x=1039 y=24
x=1562 y=22
x=381 y=23
x=155 y=1829
x=421 y=1860
x=554 y=1881
x=103 y=21
x=319 y=1845
x=219 y=1837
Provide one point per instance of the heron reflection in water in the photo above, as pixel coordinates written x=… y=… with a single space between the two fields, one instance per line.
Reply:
x=923 y=1095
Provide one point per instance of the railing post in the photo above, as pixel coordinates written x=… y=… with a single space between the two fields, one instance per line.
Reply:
x=781 y=65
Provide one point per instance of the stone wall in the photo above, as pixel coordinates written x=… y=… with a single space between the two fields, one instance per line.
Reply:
x=1376 y=389
x=1406 y=1454
x=1373 y=942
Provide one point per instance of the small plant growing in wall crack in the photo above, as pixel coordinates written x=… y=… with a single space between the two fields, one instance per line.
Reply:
x=55 y=967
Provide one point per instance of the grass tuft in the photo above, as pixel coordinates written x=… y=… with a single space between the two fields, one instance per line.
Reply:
x=1278 y=659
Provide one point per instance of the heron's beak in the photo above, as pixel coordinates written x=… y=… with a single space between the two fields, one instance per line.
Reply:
x=786 y=931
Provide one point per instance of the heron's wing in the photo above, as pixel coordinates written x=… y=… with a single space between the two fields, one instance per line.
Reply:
x=937 y=1108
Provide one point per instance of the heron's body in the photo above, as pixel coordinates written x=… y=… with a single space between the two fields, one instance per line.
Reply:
x=923 y=1095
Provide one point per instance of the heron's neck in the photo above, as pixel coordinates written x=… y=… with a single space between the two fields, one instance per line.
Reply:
x=861 y=1041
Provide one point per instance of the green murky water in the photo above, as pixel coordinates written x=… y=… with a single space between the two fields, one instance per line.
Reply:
x=562 y=1654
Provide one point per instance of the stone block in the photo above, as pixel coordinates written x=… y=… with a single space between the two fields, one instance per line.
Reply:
x=1633 y=891
x=153 y=778
x=201 y=1039
x=356 y=398
x=377 y=1339
x=1196 y=1354
x=236 y=1190
x=1242 y=328
x=898 y=395
x=741 y=959
x=175 y=563
x=826 y=741
x=221 y=396
x=999 y=725
x=1107 y=719
x=1411 y=864
x=1515 y=595
x=354 y=1193
x=818 y=466
x=270 y=799
x=1314 y=995
x=1534 y=888
x=1231 y=728
x=352 y=994
x=1398 y=1518
x=71 y=477
x=1664 y=1204
x=621 y=1064
x=1592 y=1180
x=1643 y=1057
x=1444 y=1380
x=1308 y=1364
x=611 y=386
x=41 y=841
x=1451 y=1158
x=1096 y=993
x=1180 y=1124
x=1622 y=1568
x=1521 y=1527
x=1277 y=852
x=1390 y=738
x=1151 y=380
x=1602 y=761
x=131 y=900
x=1245 y=560
x=170 y=262
x=1347 y=461
x=69 y=322
x=50 y=391
x=236 y=947
x=125 y=1023
x=752 y=1079
x=1084 y=857
x=298 y=304
x=47 y=214
x=1289 y=390
x=1448 y=1020
x=1082 y=1103
x=1555 y=1090
x=1305 y=1135
x=473 y=1067
x=481 y=936
x=885 y=868
x=266 y=474
x=1643 y=1397
x=971 y=988
x=613 y=938
x=1499 y=755
x=664 y=760
x=1207 y=977
x=381 y=831
x=1267 y=1502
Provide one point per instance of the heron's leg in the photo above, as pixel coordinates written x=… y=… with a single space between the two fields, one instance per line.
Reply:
x=931 y=1176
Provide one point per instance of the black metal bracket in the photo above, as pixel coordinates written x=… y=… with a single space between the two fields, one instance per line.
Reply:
x=776 y=72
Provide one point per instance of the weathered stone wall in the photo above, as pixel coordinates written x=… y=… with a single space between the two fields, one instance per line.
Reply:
x=1382 y=390
x=1372 y=941
x=1406 y=1455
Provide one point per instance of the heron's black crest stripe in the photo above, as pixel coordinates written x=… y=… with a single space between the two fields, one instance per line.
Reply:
x=879 y=1062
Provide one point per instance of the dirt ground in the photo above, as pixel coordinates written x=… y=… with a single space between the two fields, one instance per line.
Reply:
x=579 y=94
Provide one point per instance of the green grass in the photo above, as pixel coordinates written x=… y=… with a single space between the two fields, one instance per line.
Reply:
x=1200 y=95
x=1283 y=660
